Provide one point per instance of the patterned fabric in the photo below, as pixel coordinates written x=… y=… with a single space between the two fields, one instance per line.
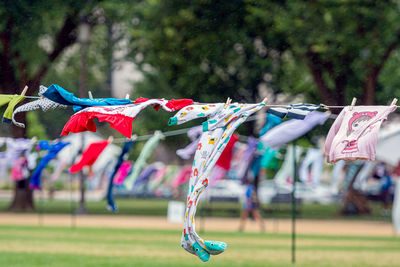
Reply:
x=221 y=124
x=43 y=103
x=354 y=133
x=295 y=111
x=120 y=118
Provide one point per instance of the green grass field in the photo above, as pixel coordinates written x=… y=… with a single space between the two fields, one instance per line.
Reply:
x=61 y=246
x=158 y=207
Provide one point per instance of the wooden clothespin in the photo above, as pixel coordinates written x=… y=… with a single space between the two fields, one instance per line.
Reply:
x=34 y=139
x=228 y=101
x=110 y=139
x=24 y=90
x=394 y=102
x=134 y=137
x=127 y=96
x=90 y=94
x=265 y=100
x=353 y=102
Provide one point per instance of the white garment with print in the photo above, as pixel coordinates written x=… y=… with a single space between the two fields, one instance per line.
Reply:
x=217 y=131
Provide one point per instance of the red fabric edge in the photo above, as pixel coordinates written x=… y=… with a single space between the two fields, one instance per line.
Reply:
x=83 y=121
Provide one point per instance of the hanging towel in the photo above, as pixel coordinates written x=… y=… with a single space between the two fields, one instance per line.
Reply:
x=354 y=133
x=61 y=96
x=89 y=156
x=120 y=118
x=44 y=103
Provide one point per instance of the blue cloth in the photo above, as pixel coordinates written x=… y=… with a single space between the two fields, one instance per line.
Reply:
x=270 y=122
x=53 y=151
x=61 y=96
x=110 y=200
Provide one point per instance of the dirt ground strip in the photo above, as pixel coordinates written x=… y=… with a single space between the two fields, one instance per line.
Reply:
x=318 y=227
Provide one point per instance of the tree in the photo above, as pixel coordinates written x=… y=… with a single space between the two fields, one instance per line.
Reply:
x=34 y=35
x=343 y=44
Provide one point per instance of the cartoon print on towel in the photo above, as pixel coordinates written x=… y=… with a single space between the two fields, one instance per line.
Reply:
x=358 y=120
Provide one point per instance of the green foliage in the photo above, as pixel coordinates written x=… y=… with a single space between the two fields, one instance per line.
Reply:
x=36 y=128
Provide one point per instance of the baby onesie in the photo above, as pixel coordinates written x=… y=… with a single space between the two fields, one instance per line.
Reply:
x=354 y=133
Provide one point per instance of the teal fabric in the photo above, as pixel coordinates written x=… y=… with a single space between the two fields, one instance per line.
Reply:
x=140 y=163
x=59 y=95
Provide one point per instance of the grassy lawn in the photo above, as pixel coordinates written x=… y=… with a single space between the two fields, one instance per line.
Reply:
x=61 y=246
x=158 y=207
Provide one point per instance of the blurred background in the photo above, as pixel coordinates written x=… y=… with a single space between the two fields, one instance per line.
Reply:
x=288 y=51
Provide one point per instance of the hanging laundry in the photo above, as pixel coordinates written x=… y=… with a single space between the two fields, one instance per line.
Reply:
x=20 y=169
x=140 y=163
x=217 y=173
x=89 y=156
x=225 y=158
x=311 y=167
x=15 y=147
x=284 y=177
x=145 y=175
x=123 y=172
x=61 y=96
x=270 y=160
x=354 y=133
x=60 y=166
x=158 y=178
x=194 y=134
x=247 y=158
x=295 y=111
x=292 y=129
x=120 y=117
x=182 y=176
x=218 y=129
x=270 y=122
x=12 y=101
x=43 y=103
x=35 y=182
x=110 y=200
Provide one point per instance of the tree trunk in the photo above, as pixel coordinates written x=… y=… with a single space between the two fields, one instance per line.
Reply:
x=368 y=97
x=23 y=197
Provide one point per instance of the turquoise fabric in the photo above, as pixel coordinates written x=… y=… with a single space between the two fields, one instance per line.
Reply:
x=59 y=95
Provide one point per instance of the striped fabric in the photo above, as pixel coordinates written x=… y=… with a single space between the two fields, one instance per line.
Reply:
x=295 y=111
